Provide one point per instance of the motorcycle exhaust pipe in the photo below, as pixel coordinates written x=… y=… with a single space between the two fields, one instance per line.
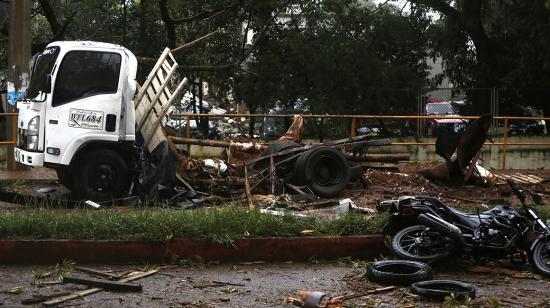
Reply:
x=438 y=224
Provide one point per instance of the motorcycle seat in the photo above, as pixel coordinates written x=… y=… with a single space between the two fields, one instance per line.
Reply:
x=470 y=220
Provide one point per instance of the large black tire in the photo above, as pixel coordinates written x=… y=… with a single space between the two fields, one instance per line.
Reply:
x=418 y=243
x=102 y=175
x=65 y=178
x=280 y=145
x=540 y=258
x=439 y=289
x=399 y=272
x=324 y=170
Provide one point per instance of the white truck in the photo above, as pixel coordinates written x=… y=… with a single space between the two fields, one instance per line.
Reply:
x=82 y=111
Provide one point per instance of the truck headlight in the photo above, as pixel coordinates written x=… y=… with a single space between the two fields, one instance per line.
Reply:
x=32 y=143
x=34 y=126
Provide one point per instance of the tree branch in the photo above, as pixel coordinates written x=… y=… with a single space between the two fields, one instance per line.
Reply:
x=49 y=13
x=441 y=6
x=199 y=17
x=168 y=23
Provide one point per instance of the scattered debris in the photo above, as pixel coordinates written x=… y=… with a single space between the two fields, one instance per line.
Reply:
x=36 y=299
x=104 y=284
x=315 y=299
x=500 y=271
x=14 y=290
x=517 y=177
x=131 y=277
x=97 y=273
x=92 y=204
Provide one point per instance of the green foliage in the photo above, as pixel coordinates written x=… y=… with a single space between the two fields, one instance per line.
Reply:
x=496 y=44
x=339 y=57
x=221 y=225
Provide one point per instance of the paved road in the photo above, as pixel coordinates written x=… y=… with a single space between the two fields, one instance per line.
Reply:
x=267 y=285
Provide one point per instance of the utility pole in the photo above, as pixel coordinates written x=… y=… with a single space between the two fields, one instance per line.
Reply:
x=19 y=54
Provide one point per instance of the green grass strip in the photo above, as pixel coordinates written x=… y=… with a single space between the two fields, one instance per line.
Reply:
x=222 y=225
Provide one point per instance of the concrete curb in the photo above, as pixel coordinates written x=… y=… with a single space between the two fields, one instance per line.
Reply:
x=265 y=249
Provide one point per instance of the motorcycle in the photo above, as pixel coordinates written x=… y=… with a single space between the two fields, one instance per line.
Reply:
x=425 y=229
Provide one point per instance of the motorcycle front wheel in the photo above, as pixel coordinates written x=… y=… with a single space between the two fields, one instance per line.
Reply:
x=541 y=257
x=419 y=243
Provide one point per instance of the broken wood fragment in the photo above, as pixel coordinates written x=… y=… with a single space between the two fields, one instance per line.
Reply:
x=247 y=189
x=42 y=298
x=96 y=272
x=79 y=294
x=104 y=284
x=295 y=188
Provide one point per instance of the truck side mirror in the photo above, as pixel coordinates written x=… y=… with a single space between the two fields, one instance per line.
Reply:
x=46 y=86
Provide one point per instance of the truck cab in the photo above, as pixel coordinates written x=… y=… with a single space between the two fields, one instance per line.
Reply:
x=78 y=116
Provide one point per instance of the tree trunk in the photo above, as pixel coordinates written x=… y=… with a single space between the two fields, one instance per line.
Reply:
x=168 y=24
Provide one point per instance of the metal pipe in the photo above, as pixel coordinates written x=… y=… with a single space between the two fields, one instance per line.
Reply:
x=505 y=143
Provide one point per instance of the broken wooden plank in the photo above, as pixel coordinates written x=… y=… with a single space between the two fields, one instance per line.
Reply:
x=104 y=284
x=96 y=272
x=90 y=291
x=42 y=298
x=517 y=179
x=526 y=178
x=295 y=188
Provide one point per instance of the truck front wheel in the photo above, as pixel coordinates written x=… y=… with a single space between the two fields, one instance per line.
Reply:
x=102 y=175
x=64 y=177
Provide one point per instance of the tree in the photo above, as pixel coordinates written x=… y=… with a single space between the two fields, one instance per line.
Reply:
x=339 y=57
x=486 y=44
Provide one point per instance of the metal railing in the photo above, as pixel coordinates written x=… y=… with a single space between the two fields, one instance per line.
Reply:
x=354 y=118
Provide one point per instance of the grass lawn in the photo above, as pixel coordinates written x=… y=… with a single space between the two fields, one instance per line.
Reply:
x=223 y=224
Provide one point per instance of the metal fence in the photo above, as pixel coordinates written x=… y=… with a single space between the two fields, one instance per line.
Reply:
x=350 y=121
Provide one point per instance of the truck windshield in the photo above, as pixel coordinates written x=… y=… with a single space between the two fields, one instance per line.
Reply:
x=42 y=67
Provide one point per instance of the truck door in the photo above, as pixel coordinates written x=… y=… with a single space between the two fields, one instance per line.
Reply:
x=86 y=103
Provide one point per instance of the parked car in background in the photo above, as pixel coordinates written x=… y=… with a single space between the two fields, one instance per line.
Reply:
x=450 y=123
x=528 y=127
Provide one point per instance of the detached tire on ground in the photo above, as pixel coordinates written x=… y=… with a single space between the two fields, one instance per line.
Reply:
x=102 y=175
x=325 y=170
x=439 y=289
x=399 y=272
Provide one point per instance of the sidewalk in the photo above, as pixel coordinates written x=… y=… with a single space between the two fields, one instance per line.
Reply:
x=31 y=174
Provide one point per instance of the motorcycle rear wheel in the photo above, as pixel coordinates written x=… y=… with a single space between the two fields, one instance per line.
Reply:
x=419 y=243
x=540 y=259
